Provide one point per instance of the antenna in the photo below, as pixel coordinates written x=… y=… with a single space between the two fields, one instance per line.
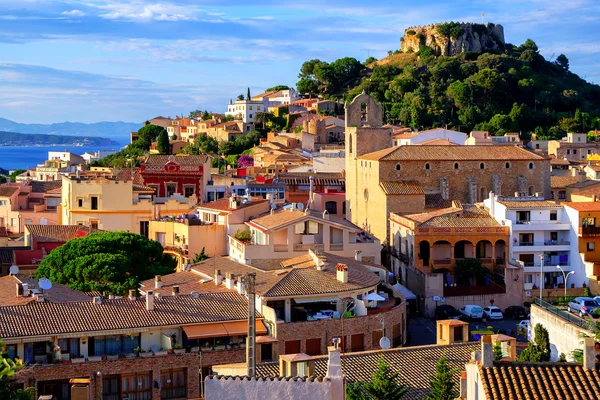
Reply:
x=14 y=270
x=384 y=343
x=45 y=284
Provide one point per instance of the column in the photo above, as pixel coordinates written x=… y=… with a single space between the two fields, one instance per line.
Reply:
x=288 y=310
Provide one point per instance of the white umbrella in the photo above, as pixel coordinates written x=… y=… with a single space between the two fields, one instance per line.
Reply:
x=374 y=297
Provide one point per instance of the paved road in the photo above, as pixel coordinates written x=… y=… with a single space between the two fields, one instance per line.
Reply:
x=421 y=331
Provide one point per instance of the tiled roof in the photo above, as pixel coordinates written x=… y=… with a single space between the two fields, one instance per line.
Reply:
x=415 y=365
x=57 y=233
x=58 y=293
x=7 y=191
x=319 y=178
x=437 y=142
x=187 y=281
x=524 y=204
x=223 y=204
x=551 y=381
x=45 y=186
x=284 y=217
x=401 y=188
x=560 y=182
x=584 y=206
x=129 y=174
x=142 y=188
x=435 y=200
x=585 y=184
x=451 y=153
x=426 y=216
x=45 y=318
x=6 y=256
x=559 y=161
x=589 y=192
x=181 y=159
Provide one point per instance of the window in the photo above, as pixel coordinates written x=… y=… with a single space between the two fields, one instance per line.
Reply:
x=94 y=203
x=588 y=222
x=579 y=139
x=144 y=228
x=69 y=346
x=553 y=216
x=397 y=167
x=507 y=165
x=3 y=202
x=528 y=278
x=160 y=237
x=249 y=115
x=531 y=191
x=574 y=151
x=589 y=152
x=110 y=387
x=427 y=166
x=554 y=236
x=258 y=108
x=376 y=337
x=189 y=190
x=523 y=216
x=590 y=246
x=350 y=144
x=482 y=166
x=250 y=108
x=331 y=207
x=171 y=189
x=530 y=165
x=266 y=352
x=13 y=222
x=136 y=386
x=313 y=347
x=562 y=194
x=568 y=151
x=344 y=208
x=172 y=384
x=537 y=146
x=455 y=165
x=292 y=346
x=94 y=224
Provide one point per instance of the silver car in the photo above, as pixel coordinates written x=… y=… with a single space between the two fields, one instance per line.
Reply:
x=582 y=306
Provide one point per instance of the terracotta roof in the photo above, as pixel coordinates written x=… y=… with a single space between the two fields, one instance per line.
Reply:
x=188 y=282
x=7 y=191
x=415 y=365
x=451 y=153
x=129 y=174
x=559 y=161
x=46 y=318
x=466 y=216
x=285 y=217
x=57 y=233
x=437 y=142
x=401 y=188
x=58 y=293
x=181 y=159
x=45 y=186
x=551 y=381
x=560 y=182
x=435 y=200
x=142 y=188
x=406 y=135
x=223 y=204
x=584 y=206
x=319 y=178
x=584 y=184
x=6 y=255
x=524 y=204
x=589 y=192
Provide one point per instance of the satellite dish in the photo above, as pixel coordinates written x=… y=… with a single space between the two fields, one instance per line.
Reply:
x=45 y=283
x=300 y=206
x=13 y=270
x=384 y=343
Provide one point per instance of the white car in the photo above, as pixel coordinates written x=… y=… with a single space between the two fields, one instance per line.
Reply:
x=523 y=326
x=492 y=312
x=471 y=311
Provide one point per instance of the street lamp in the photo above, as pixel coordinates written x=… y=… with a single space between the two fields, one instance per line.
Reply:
x=565 y=277
x=541 y=276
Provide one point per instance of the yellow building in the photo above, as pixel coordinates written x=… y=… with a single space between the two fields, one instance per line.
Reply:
x=112 y=205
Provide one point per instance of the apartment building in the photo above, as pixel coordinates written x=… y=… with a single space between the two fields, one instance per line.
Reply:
x=245 y=110
x=29 y=202
x=573 y=147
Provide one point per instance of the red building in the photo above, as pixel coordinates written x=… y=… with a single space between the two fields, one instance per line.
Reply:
x=182 y=173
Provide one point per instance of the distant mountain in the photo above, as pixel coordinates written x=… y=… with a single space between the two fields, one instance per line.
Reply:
x=22 y=139
x=115 y=130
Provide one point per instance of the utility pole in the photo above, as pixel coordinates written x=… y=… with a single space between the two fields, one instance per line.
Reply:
x=251 y=345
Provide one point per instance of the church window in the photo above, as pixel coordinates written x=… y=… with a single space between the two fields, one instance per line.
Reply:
x=507 y=165
x=397 y=167
x=482 y=166
x=530 y=165
x=455 y=165
x=427 y=166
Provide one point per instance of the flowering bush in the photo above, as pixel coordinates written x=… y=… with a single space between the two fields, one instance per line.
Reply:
x=245 y=161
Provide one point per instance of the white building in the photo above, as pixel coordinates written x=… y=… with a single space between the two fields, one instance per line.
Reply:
x=422 y=137
x=540 y=233
x=246 y=110
x=277 y=97
x=98 y=155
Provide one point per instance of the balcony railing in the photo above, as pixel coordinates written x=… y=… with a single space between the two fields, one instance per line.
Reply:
x=494 y=288
x=546 y=243
x=399 y=255
x=589 y=231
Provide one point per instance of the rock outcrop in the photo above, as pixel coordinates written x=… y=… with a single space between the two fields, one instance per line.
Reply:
x=469 y=37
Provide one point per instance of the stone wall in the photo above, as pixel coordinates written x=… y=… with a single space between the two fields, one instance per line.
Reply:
x=235 y=388
x=475 y=37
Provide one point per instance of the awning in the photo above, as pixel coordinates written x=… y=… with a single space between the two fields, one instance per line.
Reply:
x=233 y=328
x=408 y=295
x=316 y=300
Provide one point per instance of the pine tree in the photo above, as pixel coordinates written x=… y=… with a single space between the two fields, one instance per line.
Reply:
x=163 y=143
x=201 y=256
x=383 y=386
x=248 y=95
x=539 y=349
x=443 y=384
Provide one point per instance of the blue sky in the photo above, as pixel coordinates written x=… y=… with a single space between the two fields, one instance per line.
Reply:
x=99 y=60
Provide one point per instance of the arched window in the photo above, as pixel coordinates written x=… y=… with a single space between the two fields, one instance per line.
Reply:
x=427 y=166
x=530 y=165
x=507 y=165
x=455 y=165
x=364 y=113
x=397 y=167
x=482 y=166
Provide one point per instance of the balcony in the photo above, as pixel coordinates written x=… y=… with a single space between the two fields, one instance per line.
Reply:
x=541 y=226
x=494 y=288
x=547 y=245
x=589 y=231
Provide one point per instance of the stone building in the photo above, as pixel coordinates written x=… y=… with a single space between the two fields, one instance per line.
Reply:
x=381 y=179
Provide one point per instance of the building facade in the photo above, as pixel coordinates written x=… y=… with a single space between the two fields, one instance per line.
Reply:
x=186 y=175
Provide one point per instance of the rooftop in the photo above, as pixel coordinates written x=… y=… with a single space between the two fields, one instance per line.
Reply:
x=457 y=216
x=584 y=206
x=45 y=186
x=8 y=190
x=285 y=217
x=401 y=188
x=58 y=293
x=181 y=159
x=224 y=205
x=57 y=233
x=452 y=153
x=527 y=202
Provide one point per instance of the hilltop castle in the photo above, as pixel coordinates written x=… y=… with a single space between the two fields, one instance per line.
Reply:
x=472 y=37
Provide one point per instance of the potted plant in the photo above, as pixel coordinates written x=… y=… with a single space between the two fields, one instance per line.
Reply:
x=78 y=360
x=178 y=349
x=95 y=358
x=207 y=346
x=219 y=345
x=112 y=356
x=161 y=352
x=146 y=353
x=194 y=349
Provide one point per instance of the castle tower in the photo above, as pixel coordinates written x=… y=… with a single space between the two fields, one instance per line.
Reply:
x=364 y=134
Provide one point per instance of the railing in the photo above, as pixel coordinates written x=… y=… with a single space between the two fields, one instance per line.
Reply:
x=303 y=246
x=336 y=246
x=582 y=323
x=590 y=230
x=550 y=221
x=399 y=255
x=546 y=243
x=493 y=288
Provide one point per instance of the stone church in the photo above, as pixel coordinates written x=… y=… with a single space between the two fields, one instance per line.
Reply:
x=410 y=179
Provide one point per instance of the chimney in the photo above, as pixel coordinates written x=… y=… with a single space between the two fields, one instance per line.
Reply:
x=342 y=273
x=132 y=294
x=150 y=300
x=218 y=277
x=334 y=371
x=111 y=296
x=463 y=385
x=492 y=203
x=229 y=281
x=589 y=354
x=233 y=202
x=97 y=300
x=175 y=290
x=487 y=351
x=581 y=176
x=358 y=255
x=26 y=292
x=516 y=194
x=241 y=289
x=157 y=282
x=293 y=207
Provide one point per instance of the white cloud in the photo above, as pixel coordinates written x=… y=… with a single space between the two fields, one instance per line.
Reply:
x=142 y=11
x=74 y=13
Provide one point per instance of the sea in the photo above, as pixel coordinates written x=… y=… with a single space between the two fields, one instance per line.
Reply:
x=25 y=157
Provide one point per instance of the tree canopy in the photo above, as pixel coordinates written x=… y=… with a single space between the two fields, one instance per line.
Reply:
x=539 y=349
x=163 y=143
x=146 y=135
x=276 y=88
x=383 y=386
x=106 y=261
x=443 y=386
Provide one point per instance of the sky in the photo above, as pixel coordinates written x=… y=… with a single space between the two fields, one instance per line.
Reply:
x=108 y=60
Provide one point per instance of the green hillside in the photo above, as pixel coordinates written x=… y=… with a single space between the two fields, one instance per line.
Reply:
x=515 y=90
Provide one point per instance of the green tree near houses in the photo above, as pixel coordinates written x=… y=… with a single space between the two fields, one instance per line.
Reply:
x=8 y=389
x=443 y=385
x=199 y=257
x=383 y=386
x=248 y=97
x=164 y=147
x=539 y=349
x=106 y=262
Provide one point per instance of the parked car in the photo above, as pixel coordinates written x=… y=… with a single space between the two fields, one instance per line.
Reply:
x=471 y=311
x=582 y=306
x=446 y=311
x=522 y=327
x=515 y=312
x=492 y=312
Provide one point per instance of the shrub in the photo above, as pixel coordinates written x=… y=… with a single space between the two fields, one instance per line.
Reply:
x=243 y=235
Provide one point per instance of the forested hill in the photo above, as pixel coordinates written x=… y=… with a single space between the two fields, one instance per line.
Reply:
x=22 y=139
x=511 y=90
